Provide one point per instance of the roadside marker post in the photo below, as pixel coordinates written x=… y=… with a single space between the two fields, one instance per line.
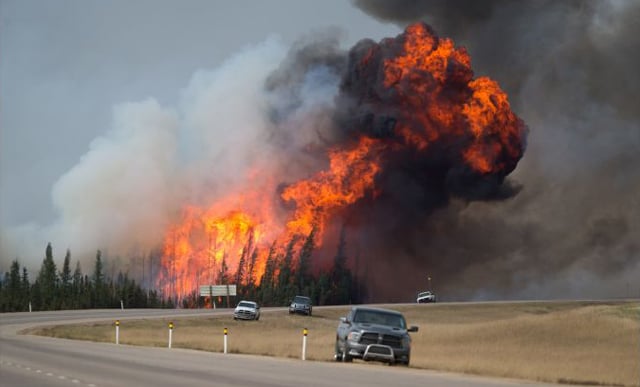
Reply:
x=226 y=331
x=117 y=331
x=170 y=332
x=305 y=331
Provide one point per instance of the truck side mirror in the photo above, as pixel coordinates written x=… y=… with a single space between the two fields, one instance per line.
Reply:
x=343 y=320
x=413 y=329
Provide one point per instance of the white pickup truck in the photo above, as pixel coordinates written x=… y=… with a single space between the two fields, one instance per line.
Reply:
x=424 y=297
x=247 y=310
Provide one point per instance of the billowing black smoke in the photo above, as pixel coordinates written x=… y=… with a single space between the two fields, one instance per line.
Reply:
x=418 y=115
x=367 y=105
x=569 y=69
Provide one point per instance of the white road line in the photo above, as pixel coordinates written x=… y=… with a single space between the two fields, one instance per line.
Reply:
x=61 y=377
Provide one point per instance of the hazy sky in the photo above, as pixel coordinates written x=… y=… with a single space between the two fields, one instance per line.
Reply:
x=65 y=64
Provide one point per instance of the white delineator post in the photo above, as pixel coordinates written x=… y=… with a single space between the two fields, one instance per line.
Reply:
x=170 y=333
x=117 y=331
x=225 y=340
x=305 y=331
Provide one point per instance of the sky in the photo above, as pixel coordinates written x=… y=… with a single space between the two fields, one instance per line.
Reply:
x=81 y=80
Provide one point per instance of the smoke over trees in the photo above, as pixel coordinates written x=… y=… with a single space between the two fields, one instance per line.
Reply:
x=569 y=71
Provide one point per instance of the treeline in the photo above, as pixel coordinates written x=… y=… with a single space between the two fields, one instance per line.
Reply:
x=287 y=273
x=67 y=289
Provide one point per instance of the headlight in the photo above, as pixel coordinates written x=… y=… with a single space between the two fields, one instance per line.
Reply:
x=406 y=342
x=353 y=336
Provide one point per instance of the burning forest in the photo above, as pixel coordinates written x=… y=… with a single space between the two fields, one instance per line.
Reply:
x=292 y=160
x=404 y=128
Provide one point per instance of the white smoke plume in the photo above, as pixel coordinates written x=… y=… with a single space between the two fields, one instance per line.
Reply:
x=124 y=191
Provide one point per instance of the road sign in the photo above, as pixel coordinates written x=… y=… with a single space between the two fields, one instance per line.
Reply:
x=217 y=290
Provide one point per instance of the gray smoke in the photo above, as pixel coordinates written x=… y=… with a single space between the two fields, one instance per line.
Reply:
x=570 y=70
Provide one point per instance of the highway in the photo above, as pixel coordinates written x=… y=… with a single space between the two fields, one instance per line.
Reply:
x=27 y=360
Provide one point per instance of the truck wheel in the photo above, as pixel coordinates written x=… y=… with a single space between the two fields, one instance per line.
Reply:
x=338 y=355
x=342 y=354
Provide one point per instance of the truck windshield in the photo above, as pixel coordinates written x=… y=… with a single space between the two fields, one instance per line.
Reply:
x=381 y=318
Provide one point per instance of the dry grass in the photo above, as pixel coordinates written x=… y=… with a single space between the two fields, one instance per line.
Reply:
x=572 y=342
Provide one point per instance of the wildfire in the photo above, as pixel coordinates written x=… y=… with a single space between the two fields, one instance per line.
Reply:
x=433 y=82
x=421 y=87
x=349 y=177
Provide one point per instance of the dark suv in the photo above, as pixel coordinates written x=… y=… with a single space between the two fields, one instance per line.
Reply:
x=374 y=334
x=300 y=304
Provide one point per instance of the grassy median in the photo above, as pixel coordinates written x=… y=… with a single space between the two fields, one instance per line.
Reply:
x=593 y=343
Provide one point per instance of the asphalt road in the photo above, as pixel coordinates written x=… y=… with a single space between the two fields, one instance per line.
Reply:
x=27 y=360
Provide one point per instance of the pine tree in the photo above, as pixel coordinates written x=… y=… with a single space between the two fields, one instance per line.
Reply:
x=267 y=281
x=341 y=278
x=14 y=289
x=77 y=288
x=304 y=262
x=284 y=270
x=251 y=275
x=65 y=281
x=241 y=267
x=223 y=274
x=26 y=287
x=48 y=281
x=99 y=286
x=285 y=289
x=4 y=307
x=322 y=289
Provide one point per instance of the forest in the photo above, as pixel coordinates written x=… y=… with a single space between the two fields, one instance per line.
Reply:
x=288 y=272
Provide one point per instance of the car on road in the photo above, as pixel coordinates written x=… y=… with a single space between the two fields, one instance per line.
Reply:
x=424 y=297
x=301 y=304
x=247 y=310
x=374 y=334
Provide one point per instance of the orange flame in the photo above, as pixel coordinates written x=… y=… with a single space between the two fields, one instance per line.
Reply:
x=351 y=174
x=484 y=112
x=194 y=249
x=440 y=102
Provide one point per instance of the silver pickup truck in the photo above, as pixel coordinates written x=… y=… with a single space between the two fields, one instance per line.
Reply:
x=374 y=334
